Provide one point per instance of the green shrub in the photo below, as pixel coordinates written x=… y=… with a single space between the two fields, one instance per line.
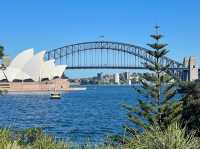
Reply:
x=29 y=136
x=174 y=137
x=6 y=141
x=48 y=142
x=34 y=138
x=99 y=146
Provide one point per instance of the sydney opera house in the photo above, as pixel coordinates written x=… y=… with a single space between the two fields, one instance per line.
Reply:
x=30 y=72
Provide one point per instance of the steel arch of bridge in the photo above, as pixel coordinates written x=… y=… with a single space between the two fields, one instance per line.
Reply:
x=76 y=56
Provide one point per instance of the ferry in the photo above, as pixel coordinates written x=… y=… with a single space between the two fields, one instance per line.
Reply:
x=55 y=95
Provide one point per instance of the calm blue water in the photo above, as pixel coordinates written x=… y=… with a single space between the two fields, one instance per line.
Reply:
x=92 y=114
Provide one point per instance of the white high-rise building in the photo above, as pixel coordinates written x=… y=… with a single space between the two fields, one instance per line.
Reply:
x=116 y=78
x=129 y=82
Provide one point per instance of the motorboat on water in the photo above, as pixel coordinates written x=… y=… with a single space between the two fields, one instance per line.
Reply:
x=55 y=95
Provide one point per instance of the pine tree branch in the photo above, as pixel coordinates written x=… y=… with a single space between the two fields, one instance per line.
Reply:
x=157 y=37
x=137 y=121
x=157 y=46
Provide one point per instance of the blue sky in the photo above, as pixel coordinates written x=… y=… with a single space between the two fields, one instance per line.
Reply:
x=48 y=24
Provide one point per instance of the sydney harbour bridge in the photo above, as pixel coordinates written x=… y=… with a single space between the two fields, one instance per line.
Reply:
x=116 y=55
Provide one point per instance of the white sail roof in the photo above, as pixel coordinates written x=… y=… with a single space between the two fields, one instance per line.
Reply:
x=21 y=59
x=26 y=65
x=48 y=69
x=15 y=73
x=11 y=73
x=34 y=66
x=22 y=76
x=2 y=77
x=59 y=70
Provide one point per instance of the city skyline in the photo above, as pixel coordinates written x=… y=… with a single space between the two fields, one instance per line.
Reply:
x=47 y=25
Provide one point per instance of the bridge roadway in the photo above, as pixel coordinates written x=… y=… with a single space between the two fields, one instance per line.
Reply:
x=113 y=67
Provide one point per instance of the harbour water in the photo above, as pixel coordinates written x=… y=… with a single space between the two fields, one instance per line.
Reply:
x=79 y=116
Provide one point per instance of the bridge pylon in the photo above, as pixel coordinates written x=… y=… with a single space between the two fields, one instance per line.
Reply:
x=192 y=73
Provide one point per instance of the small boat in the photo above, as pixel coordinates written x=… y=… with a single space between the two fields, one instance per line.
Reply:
x=55 y=95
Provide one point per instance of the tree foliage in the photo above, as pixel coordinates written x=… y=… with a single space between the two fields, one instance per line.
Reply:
x=1 y=51
x=1 y=56
x=191 y=106
x=157 y=104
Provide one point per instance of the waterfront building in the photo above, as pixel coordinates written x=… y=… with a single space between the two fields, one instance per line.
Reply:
x=129 y=82
x=100 y=76
x=116 y=78
x=28 y=71
x=127 y=76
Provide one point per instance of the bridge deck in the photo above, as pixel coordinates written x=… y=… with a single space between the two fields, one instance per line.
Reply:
x=114 y=67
